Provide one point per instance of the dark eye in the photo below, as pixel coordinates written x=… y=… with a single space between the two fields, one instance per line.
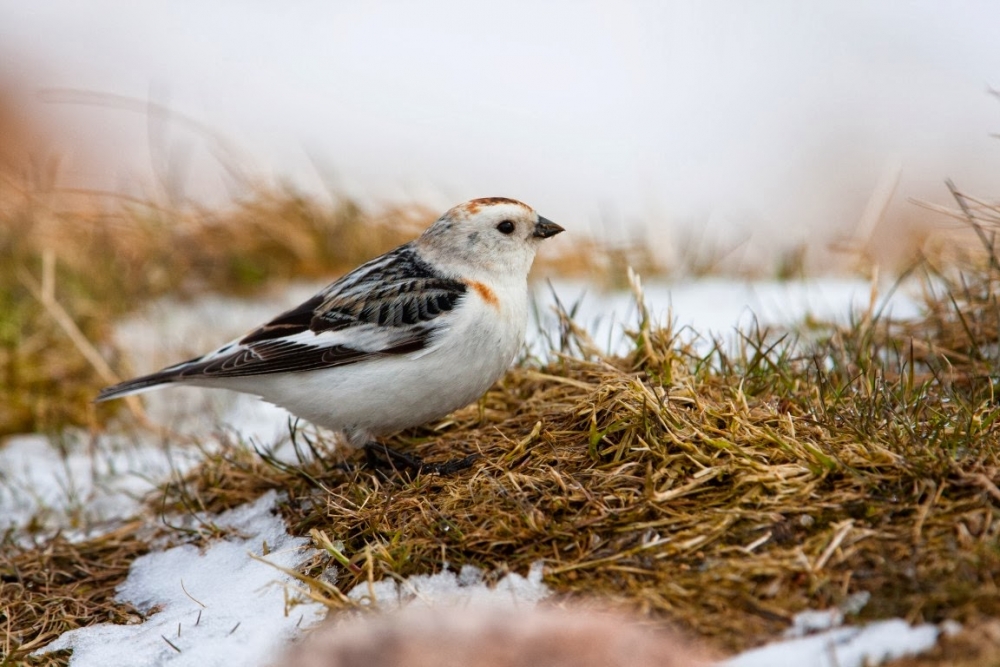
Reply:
x=506 y=227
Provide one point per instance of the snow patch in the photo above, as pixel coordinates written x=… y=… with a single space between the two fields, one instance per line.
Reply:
x=713 y=308
x=220 y=606
x=862 y=646
x=81 y=488
x=467 y=587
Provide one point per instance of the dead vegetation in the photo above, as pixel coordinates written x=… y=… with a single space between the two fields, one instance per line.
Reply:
x=718 y=489
x=81 y=261
x=59 y=586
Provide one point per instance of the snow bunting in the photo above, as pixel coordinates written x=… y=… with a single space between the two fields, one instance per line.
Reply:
x=402 y=340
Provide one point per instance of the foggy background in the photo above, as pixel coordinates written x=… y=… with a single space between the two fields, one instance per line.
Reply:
x=769 y=121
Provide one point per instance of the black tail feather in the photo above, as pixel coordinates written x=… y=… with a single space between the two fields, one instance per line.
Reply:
x=135 y=386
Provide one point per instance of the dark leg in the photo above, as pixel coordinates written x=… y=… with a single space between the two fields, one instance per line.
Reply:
x=379 y=455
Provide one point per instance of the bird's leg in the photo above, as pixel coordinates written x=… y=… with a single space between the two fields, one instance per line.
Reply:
x=450 y=467
x=378 y=454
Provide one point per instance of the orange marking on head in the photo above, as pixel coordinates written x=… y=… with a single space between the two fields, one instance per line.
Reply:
x=474 y=206
x=486 y=293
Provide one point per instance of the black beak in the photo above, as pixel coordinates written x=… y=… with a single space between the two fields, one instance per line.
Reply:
x=546 y=228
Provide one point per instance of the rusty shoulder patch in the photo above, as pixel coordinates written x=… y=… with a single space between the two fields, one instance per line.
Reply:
x=485 y=292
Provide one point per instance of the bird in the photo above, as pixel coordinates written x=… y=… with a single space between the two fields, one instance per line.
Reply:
x=402 y=340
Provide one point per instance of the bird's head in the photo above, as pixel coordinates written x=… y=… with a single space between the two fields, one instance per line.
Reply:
x=494 y=234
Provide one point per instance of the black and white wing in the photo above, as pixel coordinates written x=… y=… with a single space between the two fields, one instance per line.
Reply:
x=395 y=304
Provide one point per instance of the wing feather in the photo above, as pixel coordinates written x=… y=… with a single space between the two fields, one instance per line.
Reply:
x=395 y=304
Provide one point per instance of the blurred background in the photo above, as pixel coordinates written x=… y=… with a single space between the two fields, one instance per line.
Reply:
x=738 y=130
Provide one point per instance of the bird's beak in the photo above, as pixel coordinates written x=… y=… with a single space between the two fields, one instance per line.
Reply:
x=545 y=228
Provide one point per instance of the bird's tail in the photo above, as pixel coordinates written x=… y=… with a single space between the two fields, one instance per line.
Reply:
x=137 y=385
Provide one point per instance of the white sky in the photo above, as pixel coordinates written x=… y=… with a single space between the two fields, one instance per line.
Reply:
x=776 y=115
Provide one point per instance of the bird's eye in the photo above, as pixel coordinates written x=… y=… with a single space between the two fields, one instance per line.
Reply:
x=506 y=227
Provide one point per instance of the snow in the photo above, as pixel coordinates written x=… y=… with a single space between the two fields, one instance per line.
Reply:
x=222 y=606
x=818 y=638
x=445 y=588
x=843 y=647
x=717 y=308
x=81 y=488
x=810 y=621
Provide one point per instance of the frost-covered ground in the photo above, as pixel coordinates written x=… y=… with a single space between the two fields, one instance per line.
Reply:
x=232 y=604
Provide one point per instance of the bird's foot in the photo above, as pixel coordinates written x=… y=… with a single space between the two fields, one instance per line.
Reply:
x=450 y=467
x=379 y=455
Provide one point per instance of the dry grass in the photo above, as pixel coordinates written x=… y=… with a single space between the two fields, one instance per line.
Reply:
x=97 y=259
x=961 y=332
x=719 y=491
x=59 y=586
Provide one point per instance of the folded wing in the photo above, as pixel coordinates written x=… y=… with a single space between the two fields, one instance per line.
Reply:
x=395 y=304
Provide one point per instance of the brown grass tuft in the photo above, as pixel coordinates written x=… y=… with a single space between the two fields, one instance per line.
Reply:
x=59 y=586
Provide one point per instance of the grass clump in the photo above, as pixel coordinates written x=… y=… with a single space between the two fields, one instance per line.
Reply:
x=60 y=586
